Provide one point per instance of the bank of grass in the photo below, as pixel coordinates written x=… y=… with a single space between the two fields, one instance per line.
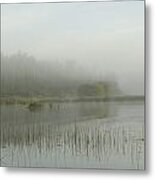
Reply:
x=18 y=100
x=43 y=99
x=32 y=103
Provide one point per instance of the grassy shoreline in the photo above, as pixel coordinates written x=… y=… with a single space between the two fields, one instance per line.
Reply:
x=28 y=100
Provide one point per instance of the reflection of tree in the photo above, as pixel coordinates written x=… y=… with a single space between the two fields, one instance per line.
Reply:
x=98 y=110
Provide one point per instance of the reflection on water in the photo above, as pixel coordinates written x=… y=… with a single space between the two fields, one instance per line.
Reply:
x=82 y=135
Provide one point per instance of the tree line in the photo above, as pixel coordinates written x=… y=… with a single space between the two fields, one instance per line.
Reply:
x=23 y=75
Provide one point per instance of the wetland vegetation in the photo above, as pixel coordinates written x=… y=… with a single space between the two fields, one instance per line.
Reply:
x=72 y=85
x=45 y=123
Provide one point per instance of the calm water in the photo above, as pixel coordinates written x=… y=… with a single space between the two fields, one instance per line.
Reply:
x=76 y=135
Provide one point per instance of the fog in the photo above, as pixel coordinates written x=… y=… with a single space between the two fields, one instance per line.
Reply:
x=68 y=44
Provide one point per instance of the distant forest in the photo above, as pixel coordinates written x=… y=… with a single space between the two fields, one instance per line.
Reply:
x=23 y=75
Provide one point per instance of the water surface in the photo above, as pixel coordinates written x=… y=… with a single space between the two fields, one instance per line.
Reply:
x=74 y=135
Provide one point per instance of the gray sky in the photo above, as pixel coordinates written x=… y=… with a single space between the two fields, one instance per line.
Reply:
x=104 y=38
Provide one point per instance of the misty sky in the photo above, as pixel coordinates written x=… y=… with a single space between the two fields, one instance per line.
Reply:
x=104 y=38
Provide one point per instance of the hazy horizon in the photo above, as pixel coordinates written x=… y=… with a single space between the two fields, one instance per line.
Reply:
x=102 y=39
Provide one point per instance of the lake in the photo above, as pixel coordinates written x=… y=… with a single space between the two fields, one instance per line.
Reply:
x=106 y=135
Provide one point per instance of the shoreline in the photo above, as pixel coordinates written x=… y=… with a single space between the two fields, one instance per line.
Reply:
x=40 y=99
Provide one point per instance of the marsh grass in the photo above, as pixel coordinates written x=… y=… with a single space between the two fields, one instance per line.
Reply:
x=72 y=135
x=77 y=140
